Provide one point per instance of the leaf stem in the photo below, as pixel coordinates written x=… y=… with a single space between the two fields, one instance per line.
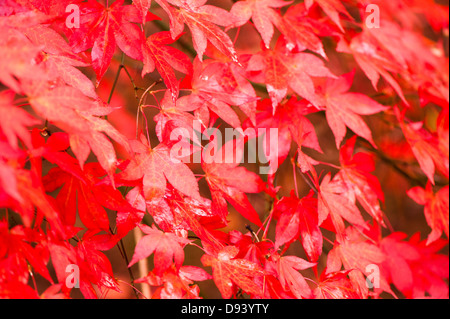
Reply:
x=116 y=79
x=123 y=252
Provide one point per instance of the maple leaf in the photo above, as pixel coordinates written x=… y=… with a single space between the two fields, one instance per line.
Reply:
x=17 y=290
x=215 y=86
x=179 y=214
x=335 y=285
x=127 y=219
x=355 y=177
x=62 y=254
x=33 y=204
x=249 y=249
x=95 y=268
x=59 y=60
x=374 y=64
x=298 y=218
x=53 y=292
x=90 y=196
x=203 y=21
x=77 y=114
x=17 y=52
x=156 y=165
x=14 y=121
x=228 y=181
x=49 y=7
x=290 y=278
x=165 y=246
x=426 y=148
x=273 y=289
x=8 y=180
x=262 y=14
x=101 y=28
x=53 y=150
x=291 y=123
x=228 y=271
x=416 y=62
x=157 y=54
x=284 y=69
x=332 y=8
x=176 y=114
x=17 y=245
x=436 y=209
x=41 y=70
x=355 y=254
x=432 y=269
x=143 y=6
x=414 y=267
x=176 y=284
x=344 y=108
x=335 y=203
x=303 y=31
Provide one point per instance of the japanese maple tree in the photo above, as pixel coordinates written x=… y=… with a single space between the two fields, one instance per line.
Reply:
x=118 y=178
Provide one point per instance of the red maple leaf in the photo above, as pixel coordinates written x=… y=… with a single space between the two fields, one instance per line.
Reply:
x=59 y=60
x=356 y=179
x=157 y=54
x=16 y=53
x=436 y=209
x=88 y=193
x=290 y=279
x=14 y=120
x=262 y=14
x=333 y=8
x=426 y=148
x=143 y=7
x=166 y=247
x=17 y=251
x=228 y=272
x=249 y=249
x=303 y=31
x=336 y=203
x=229 y=182
x=298 y=219
x=216 y=86
x=154 y=166
x=173 y=284
x=415 y=267
x=173 y=115
x=357 y=254
x=203 y=21
x=102 y=28
x=78 y=115
x=284 y=69
x=344 y=108
x=335 y=285
x=373 y=61
x=291 y=123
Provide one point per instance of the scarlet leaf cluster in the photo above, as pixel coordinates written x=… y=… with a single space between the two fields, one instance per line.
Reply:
x=91 y=92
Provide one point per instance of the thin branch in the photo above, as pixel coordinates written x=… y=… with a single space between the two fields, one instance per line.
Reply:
x=116 y=79
x=135 y=87
x=123 y=252
x=307 y=181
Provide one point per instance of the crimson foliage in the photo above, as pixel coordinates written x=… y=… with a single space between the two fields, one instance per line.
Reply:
x=79 y=175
